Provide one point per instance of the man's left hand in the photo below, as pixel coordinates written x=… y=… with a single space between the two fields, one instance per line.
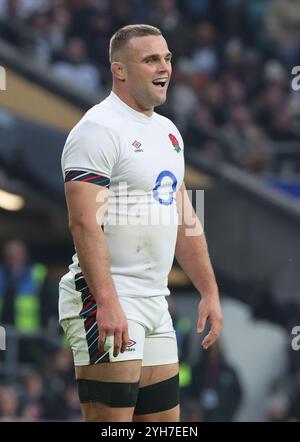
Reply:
x=209 y=309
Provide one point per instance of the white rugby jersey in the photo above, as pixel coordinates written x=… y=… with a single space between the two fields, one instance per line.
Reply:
x=140 y=159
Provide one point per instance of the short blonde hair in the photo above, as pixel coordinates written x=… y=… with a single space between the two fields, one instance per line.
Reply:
x=123 y=35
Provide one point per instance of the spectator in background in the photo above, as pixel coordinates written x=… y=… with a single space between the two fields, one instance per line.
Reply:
x=205 y=52
x=244 y=144
x=213 y=98
x=166 y=16
x=293 y=410
x=282 y=126
x=40 y=48
x=235 y=92
x=196 y=10
x=283 y=28
x=71 y=407
x=32 y=396
x=249 y=71
x=278 y=400
x=229 y=16
x=272 y=98
x=23 y=290
x=216 y=385
x=29 y=413
x=183 y=99
x=61 y=397
x=59 y=30
x=284 y=398
x=191 y=411
x=97 y=38
x=12 y=27
x=120 y=12
x=75 y=68
x=82 y=15
x=9 y=403
x=22 y=8
x=201 y=133
x=255 y=14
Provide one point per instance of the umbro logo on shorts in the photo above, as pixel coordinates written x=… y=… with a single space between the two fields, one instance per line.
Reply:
x=130 y=344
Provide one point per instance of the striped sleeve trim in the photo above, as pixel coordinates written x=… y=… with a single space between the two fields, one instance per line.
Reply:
x=80 y=175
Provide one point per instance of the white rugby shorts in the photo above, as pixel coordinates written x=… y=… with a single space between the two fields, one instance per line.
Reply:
x=151 y=333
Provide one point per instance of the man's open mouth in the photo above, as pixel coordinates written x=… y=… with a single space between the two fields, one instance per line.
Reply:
x=160 y=82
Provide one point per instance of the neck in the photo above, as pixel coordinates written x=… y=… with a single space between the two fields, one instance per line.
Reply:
x=131 y=102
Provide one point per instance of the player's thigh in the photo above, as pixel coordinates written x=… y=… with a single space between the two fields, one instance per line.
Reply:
x=158 y=391
x=113 y=390
x=125 y=371
x=107 y=385
x=158 y=397
x=157 y=373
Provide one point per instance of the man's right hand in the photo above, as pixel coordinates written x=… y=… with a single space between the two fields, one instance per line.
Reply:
x=112 y=321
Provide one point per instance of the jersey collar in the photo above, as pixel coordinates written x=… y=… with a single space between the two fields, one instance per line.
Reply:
x=138 y=116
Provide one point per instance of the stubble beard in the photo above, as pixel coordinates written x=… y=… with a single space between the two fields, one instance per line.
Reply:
x=148 y=100
x=156 y=100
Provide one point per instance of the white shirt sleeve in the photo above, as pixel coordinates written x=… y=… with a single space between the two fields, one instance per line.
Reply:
x=92 y=148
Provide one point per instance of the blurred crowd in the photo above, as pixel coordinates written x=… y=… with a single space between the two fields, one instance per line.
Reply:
x=44 y=392
x=231 y=93
x=284 y=393
x=36 y=372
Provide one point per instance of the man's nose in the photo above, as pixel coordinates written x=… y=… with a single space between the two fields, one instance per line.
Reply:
x=163 y=66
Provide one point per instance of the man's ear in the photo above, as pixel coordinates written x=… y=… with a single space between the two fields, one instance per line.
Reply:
x=118 y=70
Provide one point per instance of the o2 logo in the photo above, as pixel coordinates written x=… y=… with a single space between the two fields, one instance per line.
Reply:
x=165 y=175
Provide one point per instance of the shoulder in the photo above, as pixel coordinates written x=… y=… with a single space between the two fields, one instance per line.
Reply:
x=105 y=115
x=99 y=119
x=166 y=122
x=98 y=127
x=93 y=144
x=168 y=125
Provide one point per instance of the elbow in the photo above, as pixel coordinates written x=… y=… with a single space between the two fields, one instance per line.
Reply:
x=74 y=227
x=82 y=227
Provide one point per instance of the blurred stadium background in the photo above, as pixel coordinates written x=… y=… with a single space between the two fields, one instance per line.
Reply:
x=233 y=100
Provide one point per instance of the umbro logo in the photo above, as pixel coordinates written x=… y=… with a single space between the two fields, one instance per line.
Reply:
x=137 y=146
x=130 y=344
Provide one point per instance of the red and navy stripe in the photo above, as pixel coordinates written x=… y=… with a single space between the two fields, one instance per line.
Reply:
x=88 y=312
x=80 y=175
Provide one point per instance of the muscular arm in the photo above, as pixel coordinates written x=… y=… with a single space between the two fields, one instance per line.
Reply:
x=192 y=254
x=87 y=204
